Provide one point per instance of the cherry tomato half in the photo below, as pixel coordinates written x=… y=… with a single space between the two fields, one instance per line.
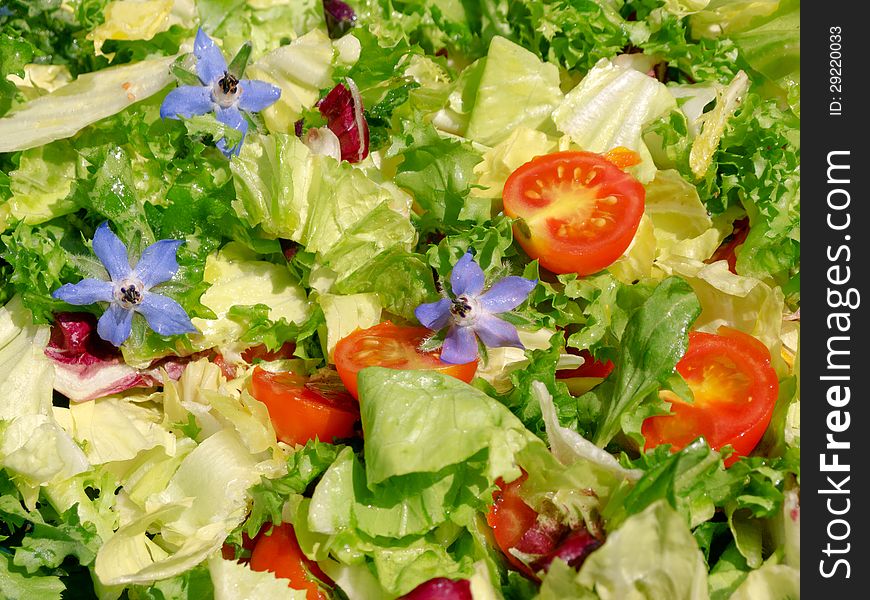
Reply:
x=280 y=554
x=302 y=409
x=735 y=390
x=393 y=347
x=576 y=212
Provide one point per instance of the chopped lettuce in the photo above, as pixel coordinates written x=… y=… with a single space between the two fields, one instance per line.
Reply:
x=41 y=185
x=666 y=560
x=392 y=403
x=654 y=340
x=345 y=314
x=203 y=501
x=235 y=581
x=516 y=89
x=91 y=97
x=238 y=278
x=132 y=20
x=301 y=69
x=610 y=107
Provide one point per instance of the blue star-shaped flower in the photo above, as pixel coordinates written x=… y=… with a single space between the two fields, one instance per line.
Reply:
x=129 y=288
x=470 y=315
x=221 y=92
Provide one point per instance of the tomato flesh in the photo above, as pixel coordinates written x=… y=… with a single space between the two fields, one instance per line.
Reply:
x=576 y=212
x=280 y=554
x=394 y=347
x=728 y=250
x=510 y=518
x=590 y=367
x=735 y=390
x=301 y=409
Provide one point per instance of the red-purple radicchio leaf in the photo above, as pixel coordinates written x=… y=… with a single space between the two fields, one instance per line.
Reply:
x=574 y=550
x=343 y=110
x=339 y=17
x=440 y=588
x=87 y=367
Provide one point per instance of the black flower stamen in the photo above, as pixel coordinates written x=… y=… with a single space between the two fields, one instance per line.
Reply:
x=131 y=294
x=229 y=84
x=460 y=307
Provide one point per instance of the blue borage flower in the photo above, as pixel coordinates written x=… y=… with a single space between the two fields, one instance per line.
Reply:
x=470 y=315
x=221 y=92
x=129 y=288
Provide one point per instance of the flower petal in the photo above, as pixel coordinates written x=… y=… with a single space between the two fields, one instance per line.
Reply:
x=434 y=315
x=466 y=279
x=506 y=294
x=257 y=95
x=112 y=252
x=157 y=263
x=115 y=324
x=232 y=117
x=186 y=101
x=210 y=62
x=460 y=346
x=86 y=291
x=496 y=333
x=164 y=315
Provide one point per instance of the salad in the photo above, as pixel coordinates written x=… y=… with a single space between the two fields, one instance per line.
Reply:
x=420 y=299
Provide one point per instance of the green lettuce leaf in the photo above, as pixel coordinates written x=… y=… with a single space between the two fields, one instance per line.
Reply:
x=233 y=580
x=437 y=171
x=17 y=586
x=516 y=89
x=91 y=97
x=304 y=467
x=40 y=185
x=194 y=584
x=392 y=403
x=610 y=107
x=666 y=560
x=301 y=69
x=654 y=340
x=204 y=500
x=237 y=277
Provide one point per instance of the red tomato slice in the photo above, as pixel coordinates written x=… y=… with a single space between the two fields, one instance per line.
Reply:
x=510 y=518
x=590 y=368
x=576 y=212
x=735 y=391
x=280 y=554
x=301 y=409
x=728 y=249
x=393 y=347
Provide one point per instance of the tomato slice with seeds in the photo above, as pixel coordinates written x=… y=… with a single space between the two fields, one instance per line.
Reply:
x=576 y=212
x=302 y=409
x=735 y=389
x=394 y=347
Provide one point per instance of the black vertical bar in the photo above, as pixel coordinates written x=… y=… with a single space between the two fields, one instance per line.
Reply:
x=835 y=265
